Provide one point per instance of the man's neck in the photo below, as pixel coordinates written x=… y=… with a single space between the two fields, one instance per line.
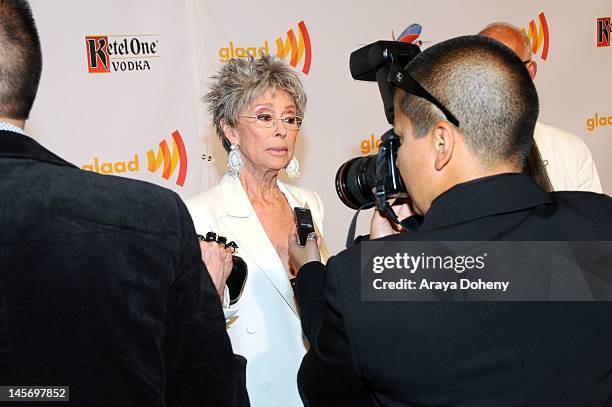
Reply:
x=14 y=122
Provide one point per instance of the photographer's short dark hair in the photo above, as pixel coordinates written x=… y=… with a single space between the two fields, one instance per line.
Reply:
x=20 y=59
x=485 y=85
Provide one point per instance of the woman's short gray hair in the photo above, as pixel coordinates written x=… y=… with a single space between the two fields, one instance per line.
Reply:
x=242 y=80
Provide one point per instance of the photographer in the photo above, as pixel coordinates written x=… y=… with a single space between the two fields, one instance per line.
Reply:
x=465 y=183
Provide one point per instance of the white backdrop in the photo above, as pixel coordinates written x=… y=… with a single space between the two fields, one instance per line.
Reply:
x=117 y=115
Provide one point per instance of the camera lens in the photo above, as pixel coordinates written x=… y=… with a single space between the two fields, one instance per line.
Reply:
x=355 y=180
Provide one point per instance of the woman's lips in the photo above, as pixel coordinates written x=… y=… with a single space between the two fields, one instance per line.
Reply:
x=278 y=150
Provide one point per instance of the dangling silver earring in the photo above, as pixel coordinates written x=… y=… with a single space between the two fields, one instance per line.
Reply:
x=234 y=161
x=293 y=169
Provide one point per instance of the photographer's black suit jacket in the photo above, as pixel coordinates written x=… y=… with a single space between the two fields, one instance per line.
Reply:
x=102 y=289
x=462 y=354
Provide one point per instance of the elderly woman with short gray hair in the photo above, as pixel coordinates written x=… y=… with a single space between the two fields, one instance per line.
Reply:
x=257 y=108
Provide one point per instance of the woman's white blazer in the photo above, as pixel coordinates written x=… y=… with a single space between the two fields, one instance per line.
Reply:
x=264 y=325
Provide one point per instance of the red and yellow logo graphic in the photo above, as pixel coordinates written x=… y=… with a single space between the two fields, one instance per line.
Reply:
x=603 y=31
x=297 y=47
x=539 y=37
x=170 y=161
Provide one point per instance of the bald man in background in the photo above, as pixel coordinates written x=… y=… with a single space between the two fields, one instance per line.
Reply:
x=567 y=159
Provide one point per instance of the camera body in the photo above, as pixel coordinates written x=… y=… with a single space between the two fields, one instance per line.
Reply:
x=381 y=62
x=364 y=182
x=361 y=181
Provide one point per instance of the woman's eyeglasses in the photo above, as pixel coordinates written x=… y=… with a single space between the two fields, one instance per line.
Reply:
x=266 y=120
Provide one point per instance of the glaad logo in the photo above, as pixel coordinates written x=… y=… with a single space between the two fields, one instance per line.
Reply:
x=599 y=120
x=298 y=48
x=603 y=31
x=170 y=161
x=116 y=167
x=370 y=145
x=112 y=53
x=539 y=37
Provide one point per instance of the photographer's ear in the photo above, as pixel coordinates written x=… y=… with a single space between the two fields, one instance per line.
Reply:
x=444 y=138
x=230 y=133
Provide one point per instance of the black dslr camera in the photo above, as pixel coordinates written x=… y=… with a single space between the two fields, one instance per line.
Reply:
x=367 y=181
x=358 y=178
x=363 y=182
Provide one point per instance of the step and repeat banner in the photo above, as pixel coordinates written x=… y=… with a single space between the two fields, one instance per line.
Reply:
x=120 y=90
x=122 y=80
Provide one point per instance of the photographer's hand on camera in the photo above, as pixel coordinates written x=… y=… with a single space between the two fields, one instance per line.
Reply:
x=300 y=255
x=380 y=226
x=218 y=260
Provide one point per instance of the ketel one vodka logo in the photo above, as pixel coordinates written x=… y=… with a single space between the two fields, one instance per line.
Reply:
x=121 y=53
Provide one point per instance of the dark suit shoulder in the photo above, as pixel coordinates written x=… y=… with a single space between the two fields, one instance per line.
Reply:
x=586 y=203
x=566 y=216
x=584 y=215
x=344 y=273
x=349 y=257
x=42 y=192
x=125 y=193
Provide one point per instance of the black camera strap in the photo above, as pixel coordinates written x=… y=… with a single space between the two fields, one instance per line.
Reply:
x=350 y=237
x=410 y=224
x=406 y=224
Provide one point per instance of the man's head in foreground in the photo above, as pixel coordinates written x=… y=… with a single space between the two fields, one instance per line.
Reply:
x=20 y=61
x=483 y=84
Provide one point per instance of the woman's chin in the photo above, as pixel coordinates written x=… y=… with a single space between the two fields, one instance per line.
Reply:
x=272 y=166
x=277 y=163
